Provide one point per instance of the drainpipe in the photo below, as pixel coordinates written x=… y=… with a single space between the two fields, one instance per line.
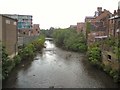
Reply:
x=118 y=31
x=114 y=26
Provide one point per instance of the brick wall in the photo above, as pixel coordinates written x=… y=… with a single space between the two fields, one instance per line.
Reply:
x=81 y=27
x=35 y=30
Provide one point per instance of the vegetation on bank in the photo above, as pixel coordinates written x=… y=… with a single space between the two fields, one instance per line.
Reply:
x=48 y=32
x=25 y=53
x=95 y=57
x=70 y=40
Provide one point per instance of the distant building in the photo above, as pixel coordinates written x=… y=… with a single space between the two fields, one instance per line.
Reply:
x=36 y=30
x=24 y=22
x=8 y=34
x=104 y=18
x=114 y=23
x=98 y=12
x=98 y=24
x=81 y=27
x=73 y=26
x=89 y=18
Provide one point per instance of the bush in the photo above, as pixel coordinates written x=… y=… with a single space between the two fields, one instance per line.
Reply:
x=70 y=40
x=17 y=59
x=94 y=56
x=7 y=63
x=27 y=52
x=39 y=43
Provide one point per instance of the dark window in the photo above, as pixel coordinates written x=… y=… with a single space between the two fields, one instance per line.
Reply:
x=111 y=21
x=109 y=57
x=23 y=32
x=36 y=29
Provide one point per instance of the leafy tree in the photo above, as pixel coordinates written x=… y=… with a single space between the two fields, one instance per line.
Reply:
x=69 y=39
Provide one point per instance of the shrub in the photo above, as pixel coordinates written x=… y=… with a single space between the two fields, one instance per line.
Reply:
x=94 y=55
x=27 y=52
x=17 y=59
x=39 y=43
x=115 y=75
x=70 y=40
x=7 y=64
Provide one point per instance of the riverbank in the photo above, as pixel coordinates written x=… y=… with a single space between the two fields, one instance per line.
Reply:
x=51 y=68
x=26 y=52
x=71 y=40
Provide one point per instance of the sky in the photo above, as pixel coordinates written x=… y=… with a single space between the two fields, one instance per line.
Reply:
x=56 y=13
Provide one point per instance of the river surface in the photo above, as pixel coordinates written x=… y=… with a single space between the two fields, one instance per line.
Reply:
x=59 y=69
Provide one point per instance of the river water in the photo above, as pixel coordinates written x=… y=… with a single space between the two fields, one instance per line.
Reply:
x=59 y=69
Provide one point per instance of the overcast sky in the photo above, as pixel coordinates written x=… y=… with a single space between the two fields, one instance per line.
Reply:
x=56 y=13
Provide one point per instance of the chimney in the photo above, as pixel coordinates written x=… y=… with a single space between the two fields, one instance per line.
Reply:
x=115 y=12
x=99 y=9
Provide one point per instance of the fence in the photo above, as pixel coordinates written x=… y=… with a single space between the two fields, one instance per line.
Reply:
x=26 y=40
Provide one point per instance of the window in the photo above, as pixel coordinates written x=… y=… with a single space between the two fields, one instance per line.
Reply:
x=14 y=23
x=7 y=21
x=36 y=29
x=24 y=33
x=109 y=57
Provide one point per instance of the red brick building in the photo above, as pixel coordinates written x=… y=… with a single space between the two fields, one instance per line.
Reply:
x=99 y=25
x=114 y=23
x=36 y=30
x=81 y=27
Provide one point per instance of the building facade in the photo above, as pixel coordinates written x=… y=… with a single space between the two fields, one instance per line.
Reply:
x=8 y=30
x=104 y=18
x=81 y=27
x=99 y=26
x=24 y=24
x=73 y=27
x=36 y=30
x=114 y=23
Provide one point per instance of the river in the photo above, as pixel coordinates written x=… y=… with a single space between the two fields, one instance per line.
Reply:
x=59 y=69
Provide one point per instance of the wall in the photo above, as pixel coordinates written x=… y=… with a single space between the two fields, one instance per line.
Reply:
x=10 y=35
x=81 y=27
x=113 y=62
x=0 y=28
x=35 y=30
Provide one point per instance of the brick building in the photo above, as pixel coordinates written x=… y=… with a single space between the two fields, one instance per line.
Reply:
x=89 y=18
x=114 y=23
x=81 y=27
x=104 y=18
x=24 y=24
x=8 y=32
x=35 y=30
x=73 y=27
x=99 y=25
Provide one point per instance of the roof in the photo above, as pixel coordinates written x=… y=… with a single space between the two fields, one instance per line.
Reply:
x=16 y=15
x=115 y=17
x=91 y=17
x=8 y=17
